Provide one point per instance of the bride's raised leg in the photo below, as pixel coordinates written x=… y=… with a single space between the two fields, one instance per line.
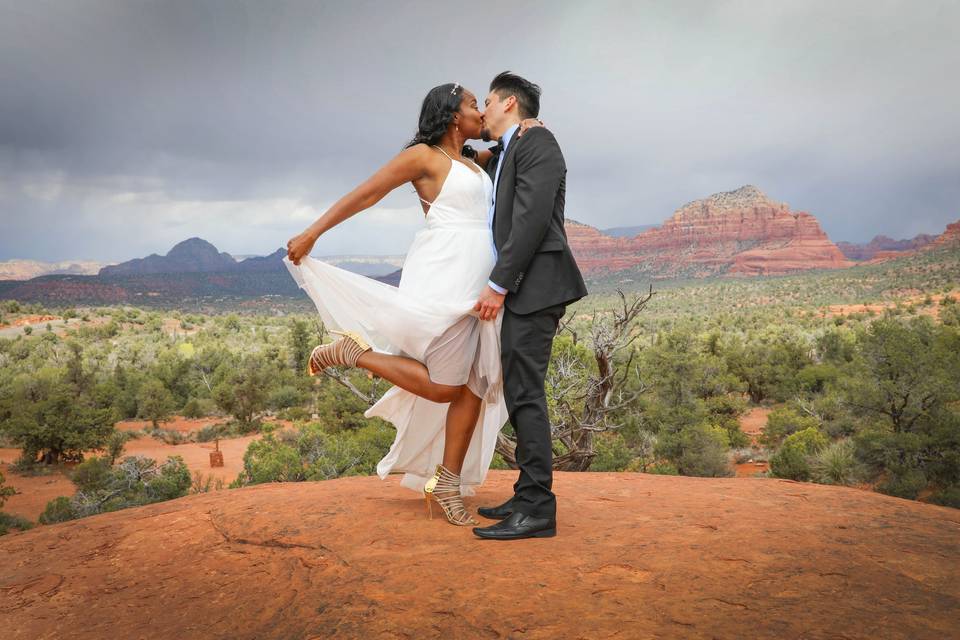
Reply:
x=408 y=374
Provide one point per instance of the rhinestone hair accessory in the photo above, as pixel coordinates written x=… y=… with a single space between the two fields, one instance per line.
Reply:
x=456 y=85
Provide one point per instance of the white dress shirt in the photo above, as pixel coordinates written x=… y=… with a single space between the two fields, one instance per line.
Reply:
x=493 y=205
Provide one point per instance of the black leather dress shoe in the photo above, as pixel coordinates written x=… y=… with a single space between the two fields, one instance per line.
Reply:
x=519 y=525
x=497 y=513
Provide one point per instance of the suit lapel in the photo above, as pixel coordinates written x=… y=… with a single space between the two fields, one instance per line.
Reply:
x=508 y=154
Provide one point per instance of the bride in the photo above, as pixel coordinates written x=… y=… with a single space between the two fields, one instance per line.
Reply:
x=423 y=336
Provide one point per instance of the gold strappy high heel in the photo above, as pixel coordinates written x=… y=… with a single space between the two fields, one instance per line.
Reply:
x=445 y=481
x=343 y=352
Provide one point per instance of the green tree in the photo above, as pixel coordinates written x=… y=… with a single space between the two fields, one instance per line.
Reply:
x=46 y=415
x=300 y=344
x=154 y=402
x=904 y=373
x=245 y=388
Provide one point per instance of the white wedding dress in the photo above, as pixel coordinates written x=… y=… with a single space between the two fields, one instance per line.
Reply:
x=429 y=318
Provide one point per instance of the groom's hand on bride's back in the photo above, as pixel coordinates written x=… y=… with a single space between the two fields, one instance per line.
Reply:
x=489 y=304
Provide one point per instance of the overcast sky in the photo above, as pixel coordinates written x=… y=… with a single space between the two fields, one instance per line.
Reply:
x=127 y=126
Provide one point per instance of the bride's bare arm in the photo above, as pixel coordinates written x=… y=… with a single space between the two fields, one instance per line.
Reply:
x=407 y=166
x=483 y=157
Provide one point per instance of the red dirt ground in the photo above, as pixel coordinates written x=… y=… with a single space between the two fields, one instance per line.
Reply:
x=636 y=556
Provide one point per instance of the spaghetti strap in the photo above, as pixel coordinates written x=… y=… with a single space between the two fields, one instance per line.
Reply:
x=440 y=149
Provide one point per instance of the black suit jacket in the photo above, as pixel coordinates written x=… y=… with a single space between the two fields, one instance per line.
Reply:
x=534 y=261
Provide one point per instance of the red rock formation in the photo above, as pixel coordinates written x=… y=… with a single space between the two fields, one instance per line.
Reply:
x=884 y=245
x=736 y=232
x=949 y=238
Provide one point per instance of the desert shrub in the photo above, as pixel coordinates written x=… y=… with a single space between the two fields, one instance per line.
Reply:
x=338 y=408
x=498 y=462
x=950 y=315
x=294 y=414
x=768 y=364
x=5 y=491
x=10 y=521
x=135 y=481
x=904 y=483
x=783 y=422
x=724 y=413
x=836 y=464
x=199 y=408
x=311 y=453
x=815 y=378
x=115 y=444
x=612 y=451
x=210 y=432
x=205 y=483
x=836 y=346
x=792 y=460
x=285 y=397
x=664 y=469
x=697 y=450
x=948 y=497
x=269 y=460
x=58 y=510
x=171 y=436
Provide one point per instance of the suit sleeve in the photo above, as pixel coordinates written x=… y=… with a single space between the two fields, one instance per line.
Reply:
x=540 y=168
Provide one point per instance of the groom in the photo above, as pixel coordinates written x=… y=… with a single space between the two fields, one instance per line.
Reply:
x=534 y=278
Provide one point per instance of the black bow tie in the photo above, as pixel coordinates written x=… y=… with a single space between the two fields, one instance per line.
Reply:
x=497 y=148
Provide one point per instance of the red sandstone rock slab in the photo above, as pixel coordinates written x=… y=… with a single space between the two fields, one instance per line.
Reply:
x=636 y=556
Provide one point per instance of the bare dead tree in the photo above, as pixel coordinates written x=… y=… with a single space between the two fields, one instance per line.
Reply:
x=583 y=400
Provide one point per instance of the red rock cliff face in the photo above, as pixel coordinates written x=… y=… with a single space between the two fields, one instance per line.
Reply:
x=949 y=238
x=736 y=232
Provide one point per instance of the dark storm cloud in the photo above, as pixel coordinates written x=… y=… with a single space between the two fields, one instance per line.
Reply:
x=127 y=126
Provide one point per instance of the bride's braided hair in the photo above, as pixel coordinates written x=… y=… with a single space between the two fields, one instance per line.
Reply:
x=436 y=114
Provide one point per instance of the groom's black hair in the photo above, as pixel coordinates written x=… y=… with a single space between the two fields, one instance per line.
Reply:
x=527 y=93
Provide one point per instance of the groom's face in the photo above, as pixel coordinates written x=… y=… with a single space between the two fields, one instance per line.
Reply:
x=495 y=118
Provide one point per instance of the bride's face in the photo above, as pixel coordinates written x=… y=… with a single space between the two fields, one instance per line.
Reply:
x=470 y=116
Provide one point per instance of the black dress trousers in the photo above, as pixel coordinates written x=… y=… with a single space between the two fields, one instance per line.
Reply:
x=525 y=344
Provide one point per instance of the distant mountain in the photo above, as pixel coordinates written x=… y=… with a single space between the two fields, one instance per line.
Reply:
x=626 y=232
x=740 y=232
x=391 y=278
x=26 y=269
x=867 y=251
x=733 y=232
x=193 y=255
x=272 y=262
x=192 y=270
